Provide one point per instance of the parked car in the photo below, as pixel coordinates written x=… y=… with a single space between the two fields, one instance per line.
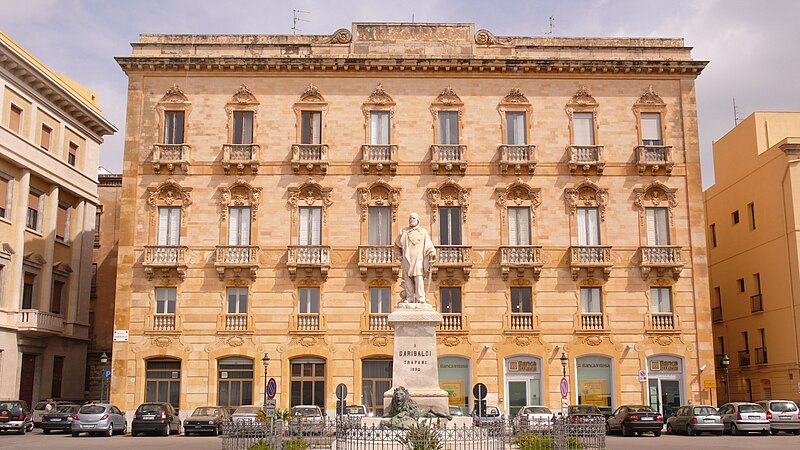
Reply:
x=491 y=419
x=99 y=419
x=15 y=416
x=59 y=418
x=630 y=419
x=44 y=407
x=695 y=420
x=738 y=417
x=532 y=418
x=156 y=417
x=355 y=411
x=456 y=411
x=306 y=419
x=584 y=413
x=206 y=419
x=246 y=413
x=783 y=415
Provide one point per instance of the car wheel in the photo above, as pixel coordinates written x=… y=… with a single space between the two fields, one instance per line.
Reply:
x=166 y=430
x=215 y=432
x=734 y=429
x=797 y=432
x=669 y=429
x=766 y=432
x=75 y=434
x=720 y=433
x=110 y=431
x=22 y=430
x=626 y=432
x=125 y=428
x=608 y=429
x=134 y=433
x=689 y=430
x=45 y=431
x=657 y=433
x=775 y=432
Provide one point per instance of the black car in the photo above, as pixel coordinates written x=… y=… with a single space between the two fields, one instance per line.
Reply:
x=155 y=417
x=59 y=418
x=584 y=414
x=206 y=419
x=638 y=419
x=15 y=416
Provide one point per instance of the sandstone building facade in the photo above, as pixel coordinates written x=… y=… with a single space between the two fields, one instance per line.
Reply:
x=50 y=134
x=752 y=214
x=266 y=178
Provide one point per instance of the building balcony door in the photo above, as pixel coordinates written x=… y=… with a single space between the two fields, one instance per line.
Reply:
x=27 y=374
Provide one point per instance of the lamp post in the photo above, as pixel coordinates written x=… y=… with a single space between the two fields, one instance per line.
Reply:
x=103 y=362
x=265 y=360
x=725 y=363
x=564 y=401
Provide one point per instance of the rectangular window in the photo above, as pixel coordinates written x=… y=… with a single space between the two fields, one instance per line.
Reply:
x=450 y=300
x=310 y=225
x=380 y=300
x=169 y=225
x=661 y=298
x=519 y=226
x=309 y=300
x=15 y=119
x=448 y=127
x=237 y=300
x=516 y=131
x=72 y=156
x=62 y=223
x=721 y=341
x=58 y=294
x=173 y=127
x=380 y=225
x=591 y=300
x=657 y=226
x=311 y=127
x=32 y=220
x=713 y=228
x=6 y=188
x=746 y=340
x=740 y=284
x=450 y=225
x=651 y=129
x=58 y=376
x=588 y=221
x=45 y=136
x=239 y=225
x=97 y=225
x=751 y=212
x=28 y=287
x=165 y=300
x=243 y=127
x=735 y=217
x=379 y=128
x=93 y=287
x=583 y=128
x=521 y=300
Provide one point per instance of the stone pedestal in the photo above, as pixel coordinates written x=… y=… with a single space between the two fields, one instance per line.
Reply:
x=415 y=362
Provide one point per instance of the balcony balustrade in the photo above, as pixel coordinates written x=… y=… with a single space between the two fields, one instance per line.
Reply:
x=451 y=322
x=171 y=156
x=586 y=157
x=761 y=355
x=591 y=258
x=744 y=358
x=378 y=257
x=164 y=322
x=661 y=258
x=522 y=322
x=661 y=322
x=237 y=258
x=518 y=157
x=378 y=322
x=310 y=156
x=240 y=156
x=594 y=322
x=379 y=157
x=309 y=257
x=39 y=323
x=755 y=303
x=445 y=158
x=236 y=322
x=520 y=257
x=452 y=257
x=166 y=258
x=307 y=322
x=654 y=157
x=716 y=314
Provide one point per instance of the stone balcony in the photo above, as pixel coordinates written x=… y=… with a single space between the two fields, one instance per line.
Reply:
x=171 y=156
x=164 y=322
x=585 y=158
x=379 y=157
x=310 y=258
x=377 y=323
x=661 y=258
x=591 y=258
x=166 y=258
x=520 y=258
x=236 y=258
x=522 y=322
x=661 y=322
x=451 y=258
x=378 y=258
x=33 y=322
x=453 y=323
x=592 y=323
x=235 y=323
x=307 y=323
x=520 y=158
x=445 y=159
x=240 y=157
x=654 y=158
x=310 y=157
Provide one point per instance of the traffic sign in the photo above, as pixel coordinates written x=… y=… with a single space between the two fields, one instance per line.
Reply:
x=479 y=391
x=107 y=374
x=711 y=384
x=269 y=408
x=272 y=388
x=642 y=376
x=341 y=391
x=564 y=388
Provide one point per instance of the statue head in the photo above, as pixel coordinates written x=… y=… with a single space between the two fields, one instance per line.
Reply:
x=413 y=220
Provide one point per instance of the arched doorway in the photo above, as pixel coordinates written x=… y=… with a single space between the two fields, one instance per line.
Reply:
x=163 y=381
x=308 y=382
x=235 y=382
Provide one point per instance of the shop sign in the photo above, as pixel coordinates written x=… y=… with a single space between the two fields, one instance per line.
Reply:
x=523 y=366
x=664 y=366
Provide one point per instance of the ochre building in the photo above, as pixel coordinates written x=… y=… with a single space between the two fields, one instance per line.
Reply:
x=50 y=134
x=753 y=215
x=266 y=178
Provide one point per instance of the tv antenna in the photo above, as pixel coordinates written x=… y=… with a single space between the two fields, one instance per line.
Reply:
x=297 y=19
x=552 y=26
x=736 y=116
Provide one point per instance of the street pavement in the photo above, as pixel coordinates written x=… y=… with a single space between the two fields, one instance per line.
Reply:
x=704 y=442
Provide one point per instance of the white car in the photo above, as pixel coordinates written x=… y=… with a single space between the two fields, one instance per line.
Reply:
x=247 y=413
x=532 y=418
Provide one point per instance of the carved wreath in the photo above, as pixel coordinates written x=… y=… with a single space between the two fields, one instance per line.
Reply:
x=162 y=341
x=594 y=340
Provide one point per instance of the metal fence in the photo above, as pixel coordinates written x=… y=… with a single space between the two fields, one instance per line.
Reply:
x=430 y=435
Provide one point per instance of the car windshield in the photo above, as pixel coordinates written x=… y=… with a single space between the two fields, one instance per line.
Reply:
x=783 y=407
x=40 y=406
x=305 y=412
x=750 y=409
x=92 y=409
x=247 y=410
x=704 y=411
x=206 y=412
x=537 y=410
x=149 y=408
x=584 y=409
x=69 y=409
x=12 y=407
x=639 y=409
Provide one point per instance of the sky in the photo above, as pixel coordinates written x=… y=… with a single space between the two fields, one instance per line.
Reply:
x=752 y=45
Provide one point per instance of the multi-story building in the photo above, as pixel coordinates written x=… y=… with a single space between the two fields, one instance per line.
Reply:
x=50 y=134
x=752 y=214
x=266 y=178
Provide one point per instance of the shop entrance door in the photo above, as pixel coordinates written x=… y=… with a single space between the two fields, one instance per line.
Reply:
x=522 y=393
x=665 y=396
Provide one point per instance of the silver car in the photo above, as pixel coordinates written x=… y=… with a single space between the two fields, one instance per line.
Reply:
x=783 y=415
x=99 y=419
x=695 y=420
x=247 y=413
x=744 y=417
x=532 y=418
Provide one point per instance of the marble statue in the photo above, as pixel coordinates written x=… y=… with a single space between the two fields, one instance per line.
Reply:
x=404 y=413
x=417 y=253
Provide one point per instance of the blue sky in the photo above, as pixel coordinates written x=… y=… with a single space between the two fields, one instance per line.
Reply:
x=752 y=45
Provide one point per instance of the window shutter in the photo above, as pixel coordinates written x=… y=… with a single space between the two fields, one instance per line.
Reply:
x=379 y=128
x=593 y=227
x=316 y=226
x=513 y=229
x=44 y=140
x=662 y=226
x=386 y=136
x=178 y=127
x=33 y=201
x=242 y=301
x=55 y=302
x=171 y=300
x=244 y=219
x=515 y=132
x=444 y=226
x=233 y=225
x=581 y=222
x=4 y=203
x=15 y=120
x=651 y=129
x=237 y=127
x=448 y=127
x=231 y=301
x=247 y=127
x=163 y=225
x=303 y=231
x=61 y=223
x=650 y=220
x=583 y=128
x=305 y=127
x=379 y=226
x=316 y=130
x=174 y=226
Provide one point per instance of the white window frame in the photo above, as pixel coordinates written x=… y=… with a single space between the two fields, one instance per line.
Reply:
x=518 y=306
x=380 y=300
x=657 y=226
x=591 y=300
x=166 y=296
x=239 y=304
x=519 y=225
x=311 y=128
x=239 y=229
x=450 y=303
x=9 y=200
x=310 y=225
x=379 y=225
x=448 y=122
x=583 y=122
x=448 y=223
x=168 y=231
x=651 y=129
x=516 y=133
x=308 y=302
x=588 y=226
x=173 y=125
x=661 y=300
x=380 y=126
x=245 y=135
x=39 y=211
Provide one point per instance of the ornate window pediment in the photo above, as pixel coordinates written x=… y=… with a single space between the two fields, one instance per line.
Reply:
x=34 y=259
x=654 y=195
x=243 y=96
x=312 y=95
x=650 y=99
x=173 y=96
x=582 y=99
x=240 y=193
x=520 y=194
x=449 y=193
x=515 y=97
x=379 y=193
x=169 y=193
x=310 y=193
x=587 y=194
x=379 y=97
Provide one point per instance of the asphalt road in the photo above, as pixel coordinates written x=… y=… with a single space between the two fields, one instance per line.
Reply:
x=704 y=442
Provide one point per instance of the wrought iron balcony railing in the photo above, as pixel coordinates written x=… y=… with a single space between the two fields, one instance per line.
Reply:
x=377 y=257
x=716 y=314
x=586 y=157
x=310 y=156
x=761 y=355
x=379 y=157
x=520 y=257
x=654 y=157
x=518 y=157
x=240 y=156
x=446 y=157
x=661 y=258
x=590 y=257
x=171 y=156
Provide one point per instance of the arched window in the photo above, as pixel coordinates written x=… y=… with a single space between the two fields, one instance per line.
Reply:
x=595 y=382
x=235 y=382
x=308 y=382
x=163 y=381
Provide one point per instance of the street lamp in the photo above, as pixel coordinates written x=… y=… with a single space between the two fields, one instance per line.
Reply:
x=564 y=364
x=265 y=360
x=103 y=362
x=725 y=363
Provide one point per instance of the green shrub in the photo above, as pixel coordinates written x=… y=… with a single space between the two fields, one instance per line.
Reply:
x=295 y=444
x=421 y=438
x=533 y=441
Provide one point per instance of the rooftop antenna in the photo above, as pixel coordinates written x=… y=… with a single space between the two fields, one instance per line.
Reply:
x=412 y=17
x=552 y=26
x=736 y=117
x=297 y=19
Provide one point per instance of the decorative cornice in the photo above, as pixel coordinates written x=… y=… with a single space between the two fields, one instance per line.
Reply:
x=340 y=36
x=650 y=98
x=174 y=95
x=485 y=37
x=515 y=96
x=312 y=95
